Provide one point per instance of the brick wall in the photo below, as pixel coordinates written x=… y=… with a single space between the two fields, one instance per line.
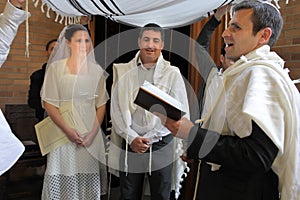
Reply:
x=15 y=72
x=288 y=45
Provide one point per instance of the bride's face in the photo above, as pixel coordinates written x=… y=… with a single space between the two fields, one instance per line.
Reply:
x=80 y=43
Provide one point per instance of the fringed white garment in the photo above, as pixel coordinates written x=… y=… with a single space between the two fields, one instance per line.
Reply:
x=10 y=20
x=257 y=88
x=10 y=147
x=121 y=118
x=136 y=12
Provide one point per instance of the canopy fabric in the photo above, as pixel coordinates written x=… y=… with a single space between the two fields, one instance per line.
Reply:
x=166 y=13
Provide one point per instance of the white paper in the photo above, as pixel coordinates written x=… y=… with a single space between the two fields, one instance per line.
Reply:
x=50 y=136
x=161 y=94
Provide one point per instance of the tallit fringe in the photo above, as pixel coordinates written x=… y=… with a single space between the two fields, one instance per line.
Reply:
x=277 y=4
x=183 y=169
x=126 y=155
x=197 y=181
x=27 y=31
x=179 y=184
x=150 y=160
x=66 y=19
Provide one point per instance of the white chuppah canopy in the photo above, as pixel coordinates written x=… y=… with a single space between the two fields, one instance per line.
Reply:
x=166 y=13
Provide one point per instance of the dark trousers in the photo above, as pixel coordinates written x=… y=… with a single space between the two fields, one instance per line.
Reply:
x=131 y=183
x=228 y=184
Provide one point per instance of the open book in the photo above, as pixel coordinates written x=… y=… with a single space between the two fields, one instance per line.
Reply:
x=153 y=99
x=51 y=136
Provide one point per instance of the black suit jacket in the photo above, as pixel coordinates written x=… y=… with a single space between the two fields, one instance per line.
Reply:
x=34 y=97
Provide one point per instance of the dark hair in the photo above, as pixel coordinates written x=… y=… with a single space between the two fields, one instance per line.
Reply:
x=264 y=15
x=71 y=29
x=50 y=42
x=153 y=27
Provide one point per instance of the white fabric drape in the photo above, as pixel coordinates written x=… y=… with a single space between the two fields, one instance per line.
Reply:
x=166 y=13
x=268 y=98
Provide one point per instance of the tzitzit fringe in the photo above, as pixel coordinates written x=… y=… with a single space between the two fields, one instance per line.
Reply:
x=64 y=18
x=27 y=31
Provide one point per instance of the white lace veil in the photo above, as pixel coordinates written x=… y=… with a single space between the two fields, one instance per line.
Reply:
x=61 y=49
x=84 y=90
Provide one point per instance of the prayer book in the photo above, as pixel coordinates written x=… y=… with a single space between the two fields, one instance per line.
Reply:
x=154 y=99
x=50 y=136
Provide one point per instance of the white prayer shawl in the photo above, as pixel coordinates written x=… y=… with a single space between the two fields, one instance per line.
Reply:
x=10 y=20
x=130 y=84
x=166 y=13
x=134 y=12
x=10 y=147
x=258 y=88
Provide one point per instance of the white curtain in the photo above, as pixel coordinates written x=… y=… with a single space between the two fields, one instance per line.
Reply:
x=166 y=13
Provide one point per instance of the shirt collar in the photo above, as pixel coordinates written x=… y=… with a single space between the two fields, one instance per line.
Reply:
x=140 y=64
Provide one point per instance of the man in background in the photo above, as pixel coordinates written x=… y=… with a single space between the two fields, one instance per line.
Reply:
x=207 y=67
x=36 y=83
x=148 y=146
